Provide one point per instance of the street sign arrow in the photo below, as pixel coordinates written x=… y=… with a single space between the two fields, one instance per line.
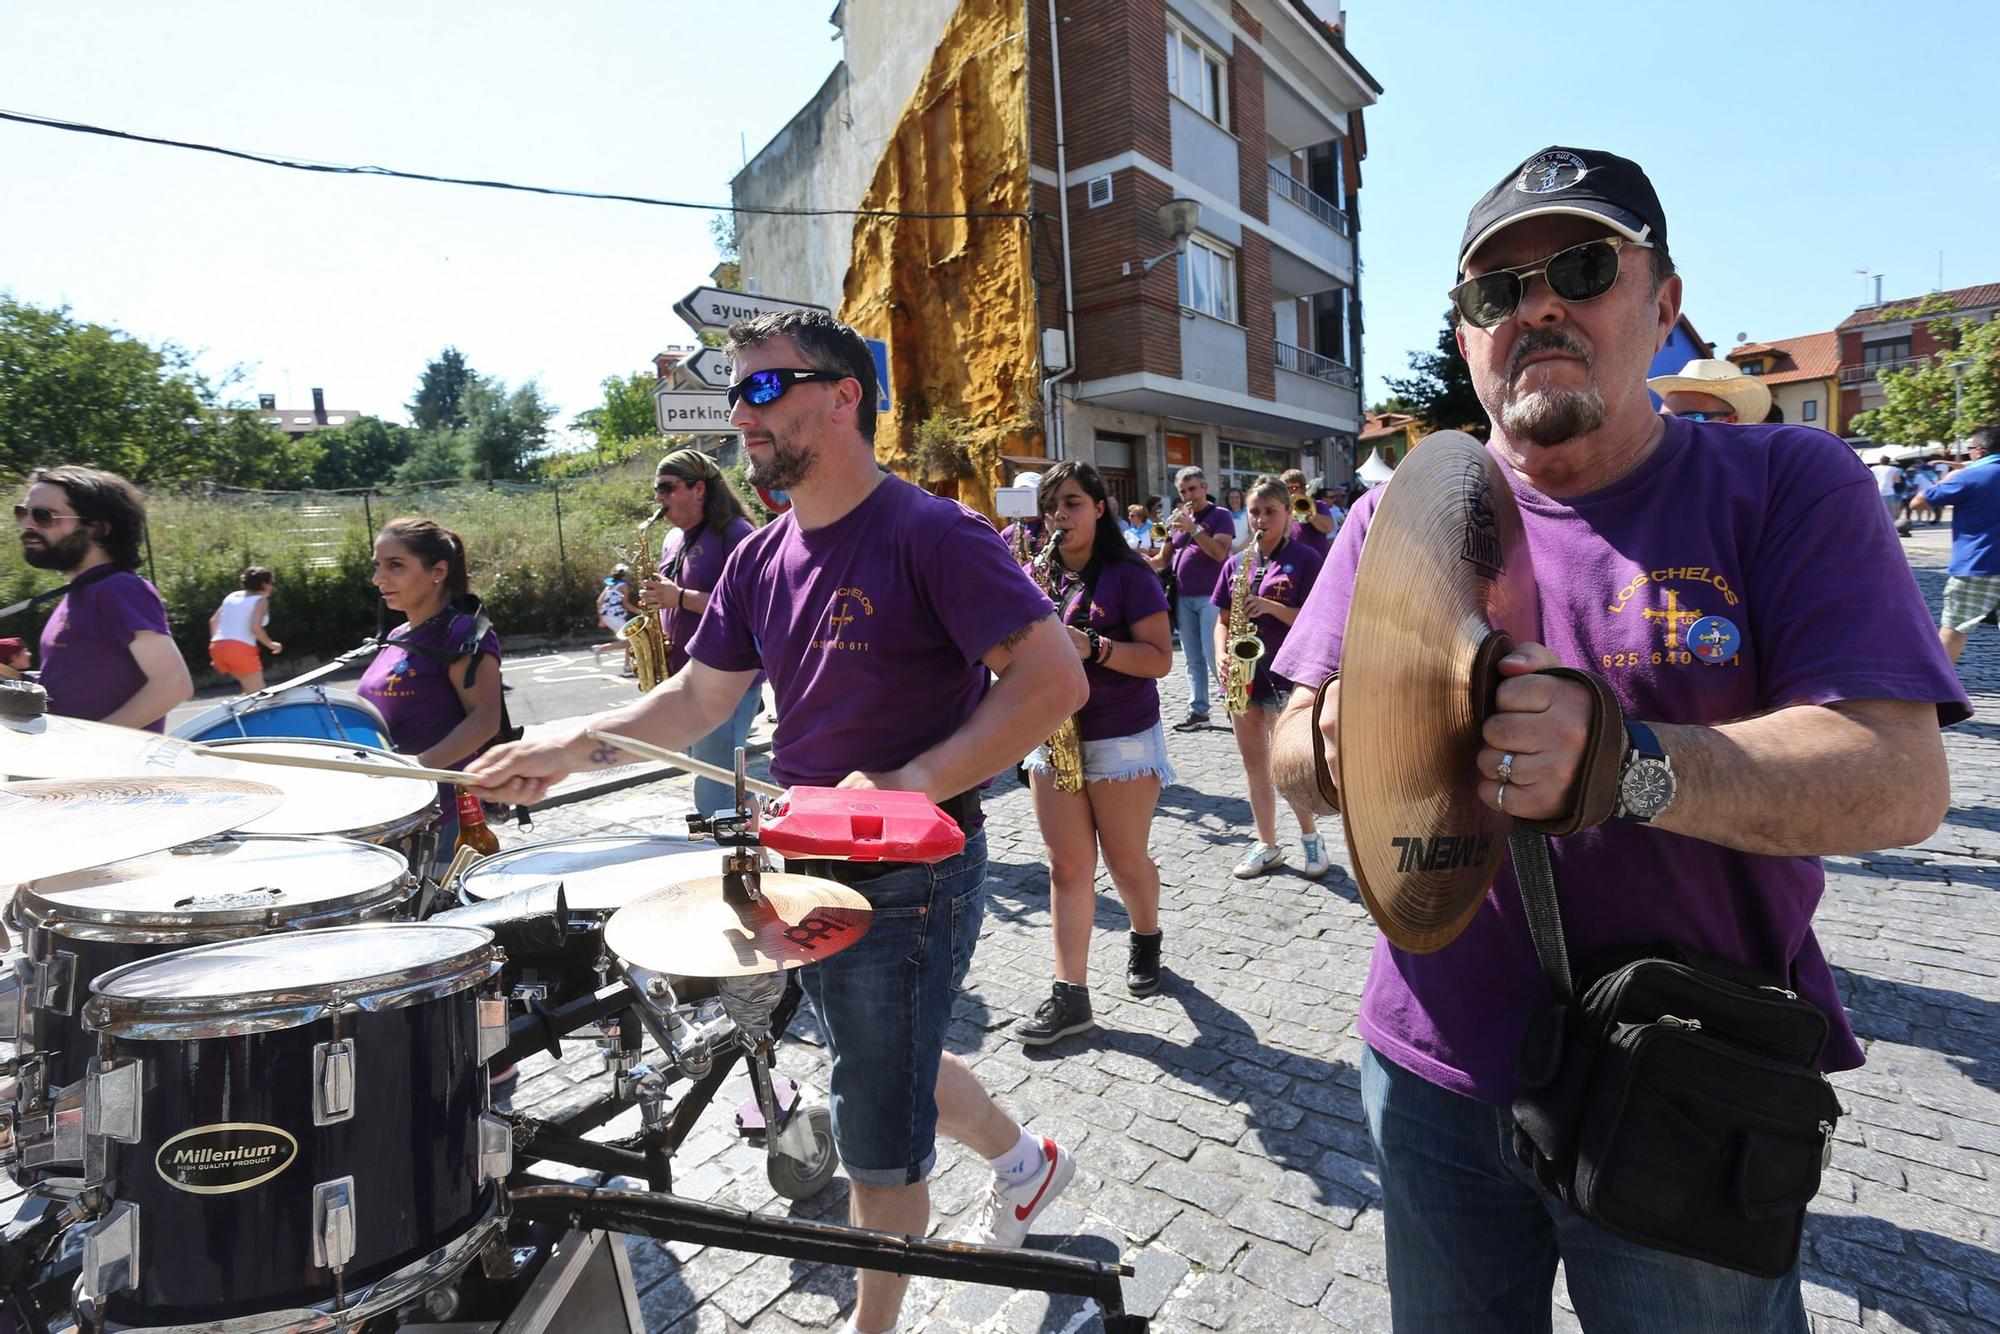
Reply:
x=681 y=412
x=714 y=308
x=710 y=365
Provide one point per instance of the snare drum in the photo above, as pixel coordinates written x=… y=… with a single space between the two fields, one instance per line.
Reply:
x=312 y=711
x=292 y=1130
x=599 y=876
x=395 y=812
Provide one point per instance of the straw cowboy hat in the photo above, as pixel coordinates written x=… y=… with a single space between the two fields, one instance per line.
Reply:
x=1745 y=393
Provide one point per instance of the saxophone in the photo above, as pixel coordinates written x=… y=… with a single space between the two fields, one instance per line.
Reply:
x=1245 y=648
x=645 y=634
x=1065 y=747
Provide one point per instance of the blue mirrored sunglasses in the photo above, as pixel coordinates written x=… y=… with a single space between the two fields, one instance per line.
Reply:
x=1706 y=416
x=762 y=387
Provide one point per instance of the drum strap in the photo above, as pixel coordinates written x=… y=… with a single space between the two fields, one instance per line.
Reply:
x=95 y=574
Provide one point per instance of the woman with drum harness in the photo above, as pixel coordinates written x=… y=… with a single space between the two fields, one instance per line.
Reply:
x=1270 y=578
x=1116 y=614
x=431 y=681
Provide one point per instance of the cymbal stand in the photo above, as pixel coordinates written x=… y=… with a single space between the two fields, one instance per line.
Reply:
x=735 y=831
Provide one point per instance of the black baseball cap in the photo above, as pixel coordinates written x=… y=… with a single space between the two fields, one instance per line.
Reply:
x=1580 y=182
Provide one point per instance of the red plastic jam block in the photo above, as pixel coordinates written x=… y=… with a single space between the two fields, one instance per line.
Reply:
x=859 y=825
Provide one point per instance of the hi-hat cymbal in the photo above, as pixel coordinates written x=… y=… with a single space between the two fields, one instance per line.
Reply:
x=1444 y=589
x=50 y=826
x=692 y=930
x=52 y=746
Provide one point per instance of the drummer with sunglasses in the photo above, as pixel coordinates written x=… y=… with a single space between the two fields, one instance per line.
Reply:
x=1708 y=573
x=878 y=610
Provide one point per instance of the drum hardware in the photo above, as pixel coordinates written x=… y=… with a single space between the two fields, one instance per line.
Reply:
x=669 y=1218
x=1444 y=589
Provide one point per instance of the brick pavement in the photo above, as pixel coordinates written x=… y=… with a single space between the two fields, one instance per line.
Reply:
x=1218 y=1126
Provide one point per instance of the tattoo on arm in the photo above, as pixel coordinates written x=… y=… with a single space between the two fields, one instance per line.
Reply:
x=603 y=755
x=1015 y=640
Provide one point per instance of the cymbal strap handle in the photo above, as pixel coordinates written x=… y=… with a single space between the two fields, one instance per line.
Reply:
x=1595 y=795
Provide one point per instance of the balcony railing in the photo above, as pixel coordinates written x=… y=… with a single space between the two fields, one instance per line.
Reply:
x=1312 y=363
x=1868 y=370
x=1294 y=189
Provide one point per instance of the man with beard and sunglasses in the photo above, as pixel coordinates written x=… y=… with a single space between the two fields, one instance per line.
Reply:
x=108 y=654
x=1710 y=574
x=877 y=610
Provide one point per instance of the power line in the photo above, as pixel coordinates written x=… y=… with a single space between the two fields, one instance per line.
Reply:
x=341 y=169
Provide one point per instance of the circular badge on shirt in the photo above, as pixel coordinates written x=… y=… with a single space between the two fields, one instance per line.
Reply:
x=1714 y=639
x=775 y=501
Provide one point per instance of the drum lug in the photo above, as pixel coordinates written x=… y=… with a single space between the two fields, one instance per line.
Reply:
x=496 y=1148
x=333 y=1082
x=54 y=984
x=492 y=1027
x=333 y=1223
x=112 y=1101
x=11 y=992
x=111 y=1252
x=57 y=1135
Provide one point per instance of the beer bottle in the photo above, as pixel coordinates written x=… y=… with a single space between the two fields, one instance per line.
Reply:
x=472 y=828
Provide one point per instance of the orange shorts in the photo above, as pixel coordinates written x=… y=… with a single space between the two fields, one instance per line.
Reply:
x=234 y=657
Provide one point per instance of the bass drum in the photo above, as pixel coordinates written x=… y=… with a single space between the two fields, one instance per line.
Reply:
x=322 y=712
x=292 y=1131
x=599 y=876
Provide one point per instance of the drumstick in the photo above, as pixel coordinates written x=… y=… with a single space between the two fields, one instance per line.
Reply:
x=687 y=762
x=369 y=767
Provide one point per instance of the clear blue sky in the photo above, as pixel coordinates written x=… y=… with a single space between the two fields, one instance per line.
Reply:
x=1792 y=145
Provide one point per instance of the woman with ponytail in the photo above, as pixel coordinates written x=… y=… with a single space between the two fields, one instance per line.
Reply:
x=433 y=682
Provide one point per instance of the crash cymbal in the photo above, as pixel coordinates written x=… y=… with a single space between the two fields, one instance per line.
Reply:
x=51 y=746
x=50 y=826
x=692 y=930
x=1444 y=589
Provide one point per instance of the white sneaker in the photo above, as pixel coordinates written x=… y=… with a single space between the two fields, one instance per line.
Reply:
x=1260 y=860
x=1012 y=1210
x=1314 y=847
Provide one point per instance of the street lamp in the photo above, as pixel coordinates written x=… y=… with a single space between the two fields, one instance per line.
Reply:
x=1177 y=219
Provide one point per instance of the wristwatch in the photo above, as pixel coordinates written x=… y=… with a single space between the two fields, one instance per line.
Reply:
x=1646 y=782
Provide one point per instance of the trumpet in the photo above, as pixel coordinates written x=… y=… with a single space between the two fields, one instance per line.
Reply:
x=1159 y=531
x=1303 y=508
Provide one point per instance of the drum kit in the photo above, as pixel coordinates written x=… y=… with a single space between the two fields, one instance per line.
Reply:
x=254 y=1058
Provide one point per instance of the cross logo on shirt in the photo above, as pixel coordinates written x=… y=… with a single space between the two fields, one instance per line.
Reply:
x=1675 y=619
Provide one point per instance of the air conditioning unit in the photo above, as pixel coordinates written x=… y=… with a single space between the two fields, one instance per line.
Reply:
x=1098 y=190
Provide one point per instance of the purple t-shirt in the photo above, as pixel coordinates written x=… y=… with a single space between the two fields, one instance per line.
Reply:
x=416 y=697
x=872 y=628
x=1195 y=569
x=1286 y=577
x=1126 y=593
x=87 y=663
x=1773 y=536
x=1311 y=536
x=699 y=570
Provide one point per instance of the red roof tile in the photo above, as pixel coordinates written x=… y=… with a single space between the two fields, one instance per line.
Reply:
x=1962 y=298
x=1808 y=357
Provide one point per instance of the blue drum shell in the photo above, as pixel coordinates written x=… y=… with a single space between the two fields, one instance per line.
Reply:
x=411 y=1147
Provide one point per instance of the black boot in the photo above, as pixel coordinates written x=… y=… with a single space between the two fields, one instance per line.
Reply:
x=1142 y=964
x=1066 y=1011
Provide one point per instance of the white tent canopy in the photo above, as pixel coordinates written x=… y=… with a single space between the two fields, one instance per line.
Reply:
x=1375 y=471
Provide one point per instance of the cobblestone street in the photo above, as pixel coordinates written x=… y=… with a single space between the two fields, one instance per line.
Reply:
x=1217 y=1126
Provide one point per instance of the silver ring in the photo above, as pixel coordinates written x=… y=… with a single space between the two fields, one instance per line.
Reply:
x=1505 y=773
x=1500 y=797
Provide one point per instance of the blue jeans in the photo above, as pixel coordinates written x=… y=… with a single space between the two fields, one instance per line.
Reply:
x=719 y=747
x=884 y=1004
x=1473 y=1240
x=1196 y=618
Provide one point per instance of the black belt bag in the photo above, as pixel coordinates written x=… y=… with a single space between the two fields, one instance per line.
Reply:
x=1672 y=1099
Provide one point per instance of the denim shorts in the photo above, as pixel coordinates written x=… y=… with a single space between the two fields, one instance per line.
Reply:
x=884 y=1004
x=1118 y=757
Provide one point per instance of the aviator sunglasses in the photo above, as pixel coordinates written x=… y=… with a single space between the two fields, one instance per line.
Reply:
x=40 y=515
x=1580 y=273
x=761 y=387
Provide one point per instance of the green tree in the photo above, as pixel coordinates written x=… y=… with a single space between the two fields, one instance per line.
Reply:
x=627 y=412
x=1439 y=388
x=365 y=452
x=1957 y=391
x=435 y=456
x=236 y=446
x=504 y=429
x=441 y=392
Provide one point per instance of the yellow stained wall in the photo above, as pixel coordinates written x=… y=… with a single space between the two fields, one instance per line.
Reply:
x=954 y=297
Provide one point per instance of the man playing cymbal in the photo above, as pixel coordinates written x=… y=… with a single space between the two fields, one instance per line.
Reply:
x=877 y=610
x=1688 y=564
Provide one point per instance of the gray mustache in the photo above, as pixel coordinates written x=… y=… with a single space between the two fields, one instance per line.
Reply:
x=1542 y=340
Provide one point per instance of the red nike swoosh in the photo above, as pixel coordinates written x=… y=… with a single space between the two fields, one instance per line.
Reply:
x=1021 y=1211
